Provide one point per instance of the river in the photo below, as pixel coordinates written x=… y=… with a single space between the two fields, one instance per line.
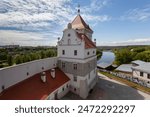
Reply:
x=106 y=60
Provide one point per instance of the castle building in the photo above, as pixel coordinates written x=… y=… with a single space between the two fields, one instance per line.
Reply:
x=73 y=70
x=77 y=56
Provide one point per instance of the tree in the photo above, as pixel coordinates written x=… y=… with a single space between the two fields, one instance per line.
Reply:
x=10 y=60
x=123 y=56
x=18 y=59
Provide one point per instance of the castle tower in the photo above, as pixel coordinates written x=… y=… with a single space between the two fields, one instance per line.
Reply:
x=77 y=56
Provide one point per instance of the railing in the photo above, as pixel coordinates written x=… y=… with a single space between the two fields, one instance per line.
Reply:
x=127 y=77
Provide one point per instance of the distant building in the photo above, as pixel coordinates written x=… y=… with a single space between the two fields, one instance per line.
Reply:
x=142 y=72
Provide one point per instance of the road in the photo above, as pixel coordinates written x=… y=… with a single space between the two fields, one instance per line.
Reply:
x=109 y=89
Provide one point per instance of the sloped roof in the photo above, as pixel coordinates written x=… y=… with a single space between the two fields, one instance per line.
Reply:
x=88 y=42
x=138 y=62
x=33 y=88
x=145 y=67
x=124 y=68
x=79 y=23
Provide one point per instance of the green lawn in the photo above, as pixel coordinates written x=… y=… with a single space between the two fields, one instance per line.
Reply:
x=129 y=83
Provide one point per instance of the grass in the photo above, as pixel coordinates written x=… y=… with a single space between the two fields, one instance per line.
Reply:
x=129 y=83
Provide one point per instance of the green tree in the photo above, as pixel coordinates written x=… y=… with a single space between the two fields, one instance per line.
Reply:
x=123 y=56
x=18 y=59
x=10 y=60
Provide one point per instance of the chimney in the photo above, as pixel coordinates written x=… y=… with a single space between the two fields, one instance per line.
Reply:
x=53 y=73
x=43 y=77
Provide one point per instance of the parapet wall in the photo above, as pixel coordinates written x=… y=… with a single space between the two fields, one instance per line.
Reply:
x=12 y=75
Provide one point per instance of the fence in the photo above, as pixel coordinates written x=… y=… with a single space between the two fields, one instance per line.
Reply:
x=127 y=77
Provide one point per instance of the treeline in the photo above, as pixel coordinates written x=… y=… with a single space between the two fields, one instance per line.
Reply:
x=13 y=56
x=126 y=55
x=98 y=53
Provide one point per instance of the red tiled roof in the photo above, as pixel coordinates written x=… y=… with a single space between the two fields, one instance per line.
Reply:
x=79 y=23
x=33 y=88
x=88 y=42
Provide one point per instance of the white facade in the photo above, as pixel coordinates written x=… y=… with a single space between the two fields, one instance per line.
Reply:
x=142 y=72
x=145 y=77
x=72 y=49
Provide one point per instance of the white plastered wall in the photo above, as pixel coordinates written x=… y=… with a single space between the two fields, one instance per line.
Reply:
x=12 y=75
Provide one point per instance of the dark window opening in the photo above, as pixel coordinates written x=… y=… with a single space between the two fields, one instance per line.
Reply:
x=148 y=76
x=75 y=66
x=141 y=73
x=75 y=78
x=90 y=91
x=63 y=52
x=27 y=73
x=69 y=35
x=75 y=52
x=63 y=89
x=75 y=89
x=88 y=53
x=3 y=87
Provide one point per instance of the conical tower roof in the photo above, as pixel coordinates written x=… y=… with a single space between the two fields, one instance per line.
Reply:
x=79 y=23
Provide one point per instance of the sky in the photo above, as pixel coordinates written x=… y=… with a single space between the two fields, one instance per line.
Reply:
x=41 y=22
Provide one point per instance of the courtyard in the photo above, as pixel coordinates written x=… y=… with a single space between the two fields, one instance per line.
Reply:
x=109 y=89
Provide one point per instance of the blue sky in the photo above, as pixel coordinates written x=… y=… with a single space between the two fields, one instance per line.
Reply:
x=41 y=22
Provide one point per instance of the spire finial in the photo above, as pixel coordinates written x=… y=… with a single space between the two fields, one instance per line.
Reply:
x=78 y=8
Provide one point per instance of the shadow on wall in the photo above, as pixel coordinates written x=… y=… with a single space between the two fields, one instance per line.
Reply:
x=107 y=90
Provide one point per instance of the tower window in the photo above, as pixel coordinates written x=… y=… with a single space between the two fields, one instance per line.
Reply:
x=75 y=52
x=88 y=53
x=75 y=66
x=63 y=65
x=63 y=52
x=93 y=52
x=69 y=35
x=75 y=78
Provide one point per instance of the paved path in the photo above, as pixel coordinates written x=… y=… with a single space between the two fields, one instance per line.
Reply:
x=108 y=89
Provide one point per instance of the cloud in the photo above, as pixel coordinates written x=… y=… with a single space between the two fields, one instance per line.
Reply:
x=42 y=19
x=138 y=14
x=140 y=41
x=25 y=38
